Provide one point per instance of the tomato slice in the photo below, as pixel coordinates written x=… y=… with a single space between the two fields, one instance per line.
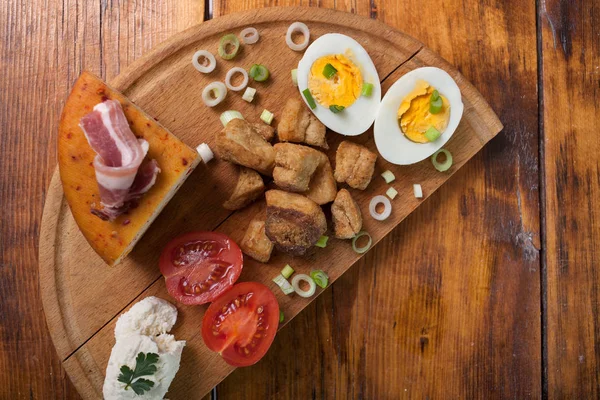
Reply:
x=199 y=266
x=241 y=324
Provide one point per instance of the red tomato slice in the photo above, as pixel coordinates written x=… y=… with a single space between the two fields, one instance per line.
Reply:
x=199 y=266
x=241 y=324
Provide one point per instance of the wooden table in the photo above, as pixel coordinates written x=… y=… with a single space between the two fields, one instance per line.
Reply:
x=488 y=290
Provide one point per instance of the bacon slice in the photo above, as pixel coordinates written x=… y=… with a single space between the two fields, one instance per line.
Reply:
x=119 y=155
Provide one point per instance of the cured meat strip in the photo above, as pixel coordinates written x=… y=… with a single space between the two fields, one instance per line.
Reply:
x=119 y=155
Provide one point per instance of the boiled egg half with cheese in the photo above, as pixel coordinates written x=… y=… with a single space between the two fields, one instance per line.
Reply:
x=418 y=115
x=338 y=81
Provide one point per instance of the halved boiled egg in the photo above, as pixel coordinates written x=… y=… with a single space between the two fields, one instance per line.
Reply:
x=338 y=73
x=417 y=116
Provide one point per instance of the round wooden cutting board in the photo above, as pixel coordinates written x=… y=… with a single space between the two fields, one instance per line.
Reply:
x=83 y=297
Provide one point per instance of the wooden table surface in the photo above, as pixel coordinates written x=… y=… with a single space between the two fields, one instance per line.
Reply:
x=488 y=290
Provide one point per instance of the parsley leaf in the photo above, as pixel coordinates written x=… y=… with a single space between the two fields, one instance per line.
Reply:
x=144 y=366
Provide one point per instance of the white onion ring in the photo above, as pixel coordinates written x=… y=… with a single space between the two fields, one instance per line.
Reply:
x=296 y=285
x=221 y=92
x=229 y=75
x=205 y=69
x=297 y=27
x=205 y=152
x=387 y=210
x=249 y=35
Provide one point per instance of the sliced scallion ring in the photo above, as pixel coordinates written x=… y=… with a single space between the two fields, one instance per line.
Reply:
x=365 y=248
x=303 y=278
x=297 y=27
x=287 y=271
x=336 y=109
x=319 y=277
x=214 y=93
x=432 y=134
x=205 y=152
x=285 y=286
x=322 y=242
x=387 y=208
x=227 y=116
x=444 y=166
x=205 y=67
x=281 y=316
x=267 y=117
x=418 y=191
x=388 y=176
x=259 y=73
x=309 y=99
x=230 y=73
x=295 y=77
x=367 y=89
x=249 y=94
x=249 y=35
x=435 y=102
x=391 y=193
x=329 y=71
x=229 y=46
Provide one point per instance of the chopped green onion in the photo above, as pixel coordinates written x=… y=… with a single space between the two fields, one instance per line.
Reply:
x=281 y=316
x=329 y=71
x=435 y=102
x=391 y=193
x=418 y=191
x=319 y=277
x=259 y=73
x=309 y=98
x=388 y=176
x=285 y=286
x=364 y=249
x=287 y=271
x=229 y=46
x=322 y=242
x=227 y=116
x=303 y=278
x=336 y=109
x=432 y=134
x=267 y=117
x=295 y=77
x=445 y=166
x=367 y=89
x=249 y=94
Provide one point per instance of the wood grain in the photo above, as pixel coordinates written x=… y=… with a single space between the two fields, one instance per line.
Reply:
x=445 y=318
x=152 y=82
x=570 y=67
x=44 y=47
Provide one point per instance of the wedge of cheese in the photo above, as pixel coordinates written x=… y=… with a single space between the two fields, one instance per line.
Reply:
x=113 y=240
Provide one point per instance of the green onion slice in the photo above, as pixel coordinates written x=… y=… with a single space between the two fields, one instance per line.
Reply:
x=388 y=176
x=312 y=287
x=249 y=94
x=227 y=116
x=295 y=77
x=229 y=46
x=367 y=89
x=319 y=277
x=267 y=117
x=445 y=166
x=435 y=103
x=309 y=98
x=418 y=191
x=432 y=134
x=391 y=193
x=285 y=286
x=322 y=242
x=336 y=109
x=281 y=316
x=287 y=271
x=329 y=71
x=364 y=249
x=259 y=73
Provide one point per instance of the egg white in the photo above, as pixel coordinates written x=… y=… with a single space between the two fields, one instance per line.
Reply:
x=389 y=138
x=358 y=117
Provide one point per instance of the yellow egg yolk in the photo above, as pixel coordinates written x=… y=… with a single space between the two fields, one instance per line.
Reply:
x=414 y=115
x=342 y=89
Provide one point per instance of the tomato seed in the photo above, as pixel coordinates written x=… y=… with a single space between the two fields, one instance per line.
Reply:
x=260 y=310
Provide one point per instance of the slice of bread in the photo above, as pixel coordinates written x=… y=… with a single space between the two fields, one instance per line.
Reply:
x=114 y=240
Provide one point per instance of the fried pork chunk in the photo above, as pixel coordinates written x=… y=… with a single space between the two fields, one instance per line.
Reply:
x=247 y=189
x=256 y=244
x=299 y=125
x=354 y=165
x=243 y=143
x=322 y=188
x=295 y=166
x=294 y=223
x=347 y=218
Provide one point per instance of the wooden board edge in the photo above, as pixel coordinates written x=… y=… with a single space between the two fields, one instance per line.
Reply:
x=138 y=68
